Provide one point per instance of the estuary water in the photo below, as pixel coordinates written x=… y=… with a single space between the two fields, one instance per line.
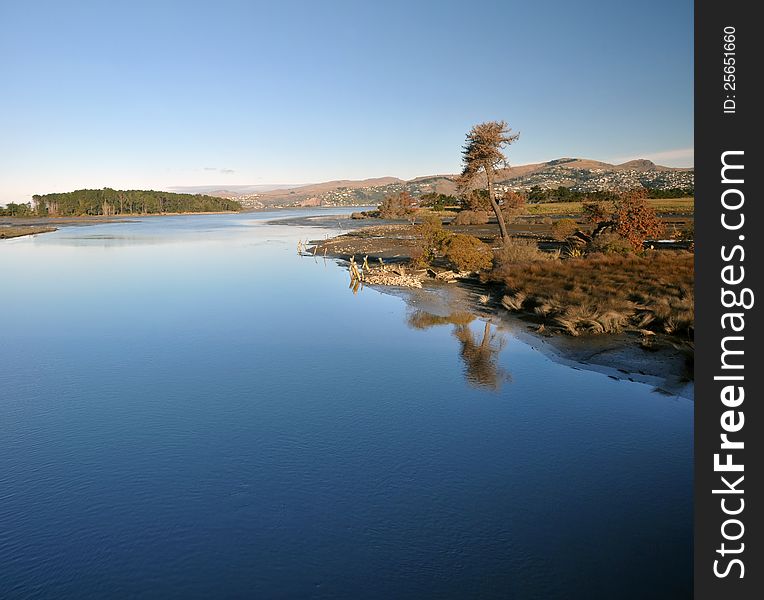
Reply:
x=188 y=409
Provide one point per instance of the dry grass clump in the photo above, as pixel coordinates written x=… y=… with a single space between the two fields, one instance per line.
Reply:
x=471 y=217
x=517 y=251
x=607 y=293
x=610 y=243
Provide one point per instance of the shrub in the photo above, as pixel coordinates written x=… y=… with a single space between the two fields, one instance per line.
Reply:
x=397 y=207
x=471 y=217
x=418 y=257
x=562 y=228
x=688 y=232
x=476 y=200
x=595 y=211
x=512 y=205
x=437 y=201
x=432 y=239
x=467 y=253
x=611 y=243
x=635 y=219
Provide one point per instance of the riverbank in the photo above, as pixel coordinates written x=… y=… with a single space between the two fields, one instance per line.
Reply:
x=648 y=294
x=645 y=341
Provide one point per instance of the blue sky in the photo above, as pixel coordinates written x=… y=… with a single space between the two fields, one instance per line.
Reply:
x=135 y=94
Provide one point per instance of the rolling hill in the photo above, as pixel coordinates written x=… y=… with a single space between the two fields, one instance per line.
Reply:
x=576 y=173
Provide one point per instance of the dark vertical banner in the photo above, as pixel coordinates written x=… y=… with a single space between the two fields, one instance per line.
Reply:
x=729 y=429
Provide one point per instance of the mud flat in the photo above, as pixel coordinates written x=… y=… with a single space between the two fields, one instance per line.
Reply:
x=14 y=231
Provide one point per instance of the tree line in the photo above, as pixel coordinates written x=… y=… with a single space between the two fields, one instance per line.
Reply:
x=110 y=202
x=403 y=204
x=16 y=209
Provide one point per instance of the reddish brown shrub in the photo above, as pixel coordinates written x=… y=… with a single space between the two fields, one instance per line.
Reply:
x=635 y=219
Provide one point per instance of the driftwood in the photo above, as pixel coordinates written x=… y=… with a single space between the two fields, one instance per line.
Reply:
x=387 y=276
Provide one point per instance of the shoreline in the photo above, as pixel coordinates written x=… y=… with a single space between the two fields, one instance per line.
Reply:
x=49 y=224
x=80 y=220
x=665 y=364
x=91 y=219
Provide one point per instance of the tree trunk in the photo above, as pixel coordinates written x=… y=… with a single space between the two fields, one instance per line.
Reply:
x=486 y=336
x=495 y=205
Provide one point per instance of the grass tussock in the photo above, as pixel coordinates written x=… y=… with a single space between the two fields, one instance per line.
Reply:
x=652 y=293
x=518 y=251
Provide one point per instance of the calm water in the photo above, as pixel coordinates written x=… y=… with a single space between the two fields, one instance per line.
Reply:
x=189 y=409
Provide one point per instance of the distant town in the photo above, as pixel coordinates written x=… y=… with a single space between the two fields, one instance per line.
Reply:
x=575 y=174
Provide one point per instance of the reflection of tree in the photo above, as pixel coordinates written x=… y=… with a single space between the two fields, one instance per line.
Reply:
x=424 y=320
x=480 y=358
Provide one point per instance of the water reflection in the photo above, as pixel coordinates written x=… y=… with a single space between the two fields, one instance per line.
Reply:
x=202 y=422
x=480 y=356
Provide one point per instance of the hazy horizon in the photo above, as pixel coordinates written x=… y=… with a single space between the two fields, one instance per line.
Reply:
x=147 y=96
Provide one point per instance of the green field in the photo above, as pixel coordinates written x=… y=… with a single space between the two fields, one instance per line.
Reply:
x=661 y=206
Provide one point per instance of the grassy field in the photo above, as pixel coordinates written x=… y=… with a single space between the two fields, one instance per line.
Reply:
x=661 y=206
x=650 y=293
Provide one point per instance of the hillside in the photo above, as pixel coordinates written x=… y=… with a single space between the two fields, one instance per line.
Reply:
x=578 y=174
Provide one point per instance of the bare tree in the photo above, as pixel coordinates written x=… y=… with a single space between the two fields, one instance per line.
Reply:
x=483 y=153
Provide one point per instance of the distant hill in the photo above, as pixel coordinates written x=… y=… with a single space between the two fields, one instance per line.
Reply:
x=578 y=174
x=231 y=195
x=230 y=191
x=319 y=188
x=642 y=164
